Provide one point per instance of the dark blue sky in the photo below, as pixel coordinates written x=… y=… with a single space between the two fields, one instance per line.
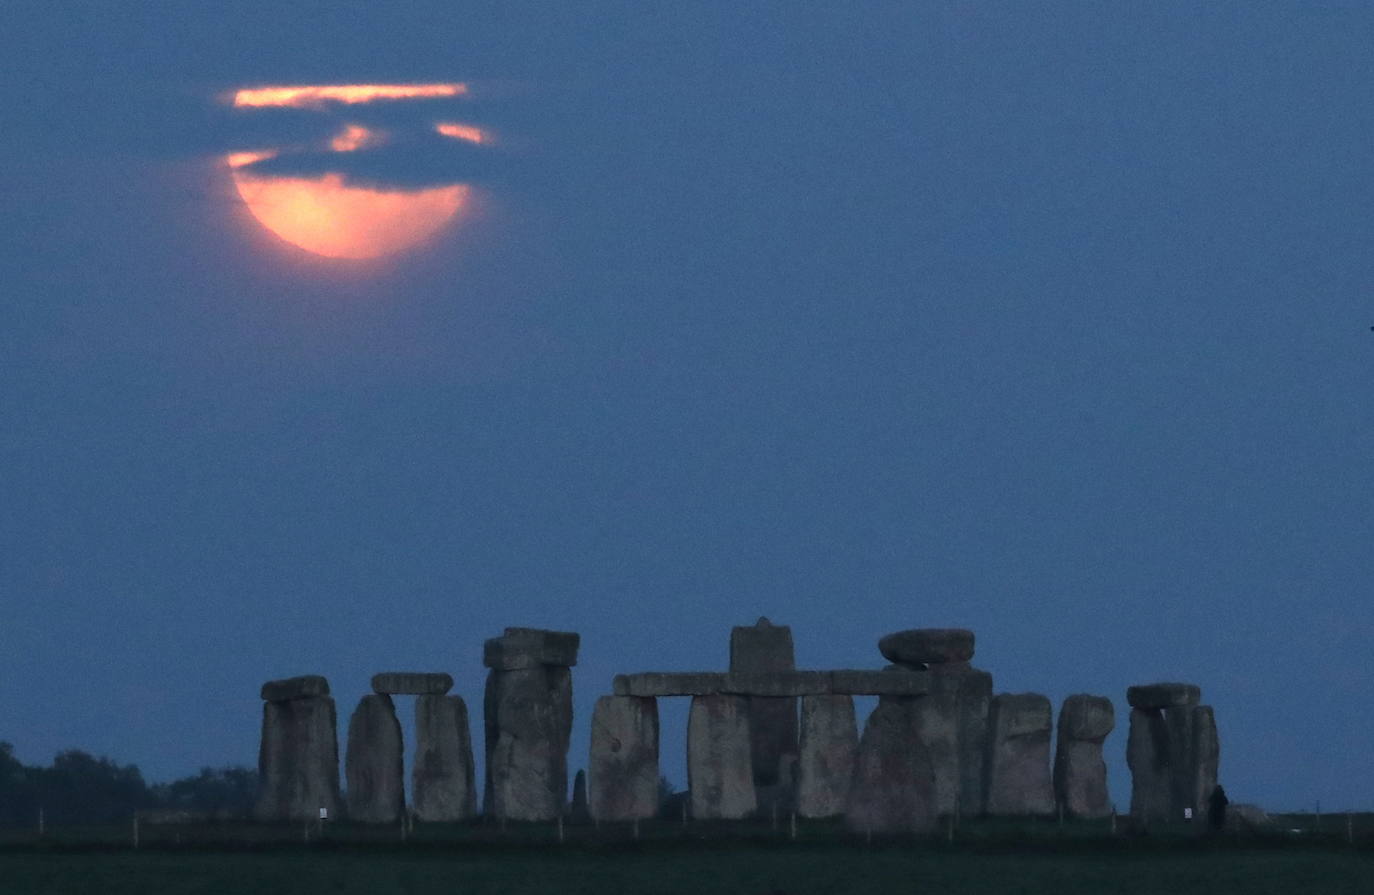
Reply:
x=1047 y=320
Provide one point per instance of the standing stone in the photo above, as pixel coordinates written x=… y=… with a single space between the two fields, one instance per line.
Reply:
x=1206 y=756
x=527 y=759
x=1147 y=755
x=829 y=747
x=578 y=812
x=1172 y=751
x=1080 y=774
x=1018 y=768
x=952 y=721
x=298 y=760
x=975 y=703
x=442 y=781
x=937 y=727
x=894 y=783
x=622 y=779
x=528 y=719
x=373 y=762
x=719 y=768
x=761 y=648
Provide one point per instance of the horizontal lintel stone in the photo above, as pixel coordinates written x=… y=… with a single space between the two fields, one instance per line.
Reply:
x=1163 y=695
x=773 y=683
x=303 y=687
x=417 y=683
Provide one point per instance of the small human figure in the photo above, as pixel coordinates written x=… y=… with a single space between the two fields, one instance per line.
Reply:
x=1216 y=808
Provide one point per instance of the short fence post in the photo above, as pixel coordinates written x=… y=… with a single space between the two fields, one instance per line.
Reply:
x=41 y=824
x=560 y=828
x=794 y=825
x=135 y=829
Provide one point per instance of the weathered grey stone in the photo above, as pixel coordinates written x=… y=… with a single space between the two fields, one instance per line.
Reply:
x=928 y=646
x=936 y=723
x=1086 y=717
x=762 y=646
x=757 y=652
x=622 y=779
x=879 y=683
x=720 y=775
x=1173 y=755
x=298 y=761
x=304 y=687
x=373 y=762
x=1203 y=759
x=893 y=790
x=1148 y=757
x=522 y=648
x=442 y=781
x=1018 y=768
x=578 y=812
x=528 y=715
x=975 y=703
x=829 y=747
x=669 y=683
x=412 y=682
x=769 y=686
x=898 y=682
x=1162 y=696
x=1080 y=774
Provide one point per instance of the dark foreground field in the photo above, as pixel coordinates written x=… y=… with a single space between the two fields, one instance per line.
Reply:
x=667 y=862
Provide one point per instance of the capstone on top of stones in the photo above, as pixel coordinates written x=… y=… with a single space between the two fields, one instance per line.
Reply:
x=928 y=646
x=530 y=647
x=412 y=683
x=1163 y=695
x=303 y=687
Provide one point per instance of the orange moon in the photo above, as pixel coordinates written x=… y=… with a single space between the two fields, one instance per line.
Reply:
x=328 y=216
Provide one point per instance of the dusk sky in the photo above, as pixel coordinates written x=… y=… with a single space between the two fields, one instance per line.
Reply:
x=1048 y=320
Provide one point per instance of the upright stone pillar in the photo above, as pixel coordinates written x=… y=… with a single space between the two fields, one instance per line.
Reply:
x=298 y=761
x=623 y=781
x=1080 y=774
x=719 y=767
x=1018 y=766
x=894 y=782
x=1147 y=755
x=952 y=720
x=1206 y=755
x=528 y=715
x=829 y=748
x=975 y=705
x=578 y=812
x=1172 y=751
x=764 y=647
x=442 y=781
x=373 y=762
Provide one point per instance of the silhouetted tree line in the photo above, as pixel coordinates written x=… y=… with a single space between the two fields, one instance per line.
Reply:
x=80 y=788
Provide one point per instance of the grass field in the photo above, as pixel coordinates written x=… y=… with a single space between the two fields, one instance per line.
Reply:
x=667 y=861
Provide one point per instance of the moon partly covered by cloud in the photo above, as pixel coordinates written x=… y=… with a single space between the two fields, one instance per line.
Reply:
x=321 y=208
